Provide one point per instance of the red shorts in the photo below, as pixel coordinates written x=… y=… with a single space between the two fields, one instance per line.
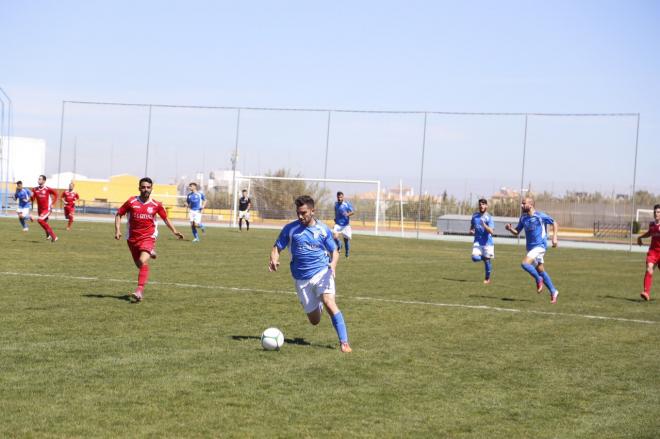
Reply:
x=69 y=211
x=44 y=215
x=653 y=256
x=145 y=245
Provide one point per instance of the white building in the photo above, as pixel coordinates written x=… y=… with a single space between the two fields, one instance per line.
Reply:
x=22 y=158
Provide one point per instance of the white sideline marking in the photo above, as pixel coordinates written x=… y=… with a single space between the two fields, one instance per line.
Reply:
x=363 y=298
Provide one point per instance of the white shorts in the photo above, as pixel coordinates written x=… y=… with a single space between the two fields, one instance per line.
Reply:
x=195 y=216
x=344 y=230
x=536 y=255
x=485 y=251
x=244 y=214
x=310 y=290
x=23 y=211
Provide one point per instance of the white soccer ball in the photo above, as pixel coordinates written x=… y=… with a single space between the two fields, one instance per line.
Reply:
x=272 y=339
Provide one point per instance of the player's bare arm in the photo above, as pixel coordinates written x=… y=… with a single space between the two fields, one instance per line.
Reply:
x=274 y=262
x=510 y=228
x=555 y=231
x=642 y=236
x=117 y=227
x=333 y=262
x=170 y=226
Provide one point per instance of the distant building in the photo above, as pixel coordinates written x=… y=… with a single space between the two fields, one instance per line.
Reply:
x=22 y=158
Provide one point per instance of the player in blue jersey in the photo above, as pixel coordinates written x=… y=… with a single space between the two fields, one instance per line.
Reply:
x=196 y=202
x=534 y=223
x=310 y=241
x=23 y=204
x=342 y=228
x=482 y=227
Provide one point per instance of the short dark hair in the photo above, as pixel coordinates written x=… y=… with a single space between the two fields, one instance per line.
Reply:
x=657 y=206
x=147 y=179
x=340 y=193
x=244 y=190
x=193 y=184
x=19 y=182
x=43 y=176
x=305 y=200
x=483 y=201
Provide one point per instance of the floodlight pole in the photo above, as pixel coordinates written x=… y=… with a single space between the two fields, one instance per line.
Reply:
x=8 y=148
x=327 y=147
x=421 y=176
x=59 y=156
x=146 y=161
x=234 y=159
x=634 y=184
x=2 y=130
x=522 y=174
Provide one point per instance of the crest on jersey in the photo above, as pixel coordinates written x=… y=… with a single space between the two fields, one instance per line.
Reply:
x=150 y=210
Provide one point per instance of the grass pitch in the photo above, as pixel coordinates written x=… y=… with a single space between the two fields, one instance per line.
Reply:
x=436 y=353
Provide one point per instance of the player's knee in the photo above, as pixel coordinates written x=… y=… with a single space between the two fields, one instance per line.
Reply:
x=314 y=318
x=476 y=258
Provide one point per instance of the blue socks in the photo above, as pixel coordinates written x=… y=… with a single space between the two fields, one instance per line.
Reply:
x=547 y=281
x=194 y=232
x=340 y=327
x=531 y=270
x=488 y=265
x=347 y=243
x=22 y=220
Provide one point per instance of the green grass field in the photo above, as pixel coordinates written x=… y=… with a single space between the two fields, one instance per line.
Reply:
x=436 y=353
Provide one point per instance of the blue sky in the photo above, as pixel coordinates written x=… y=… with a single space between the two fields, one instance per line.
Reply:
x=474 y=56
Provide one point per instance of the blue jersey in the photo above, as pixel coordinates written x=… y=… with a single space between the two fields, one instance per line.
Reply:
x=535 y=229
x=23 y=198
x=341 y=213
x=309 y=247
x=195 y=201
x=481 y=235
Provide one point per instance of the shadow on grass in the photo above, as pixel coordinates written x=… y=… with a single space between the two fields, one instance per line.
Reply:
x=453 y=279
x=297 y=341
x=124 y=297
x=627 y=299
x=505 y=299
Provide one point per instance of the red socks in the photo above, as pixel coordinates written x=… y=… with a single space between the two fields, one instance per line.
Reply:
x=143 y=276
x=47 y=228
x=648 y=280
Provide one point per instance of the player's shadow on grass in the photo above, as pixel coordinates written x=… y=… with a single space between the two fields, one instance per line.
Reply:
x=124 y=297
x=453 y=279
x=297 y=341
x=627 y=299
x=504 y=299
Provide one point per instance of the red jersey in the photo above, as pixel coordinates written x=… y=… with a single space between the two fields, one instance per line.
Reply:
x=654 y=231
x=69 y=198
x=42 y=196
x=142 y=223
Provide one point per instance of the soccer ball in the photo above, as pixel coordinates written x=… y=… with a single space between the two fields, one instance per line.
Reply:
x=272 y=339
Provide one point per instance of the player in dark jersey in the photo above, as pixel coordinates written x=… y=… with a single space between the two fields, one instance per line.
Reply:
x=653 y=255
x=244 y=206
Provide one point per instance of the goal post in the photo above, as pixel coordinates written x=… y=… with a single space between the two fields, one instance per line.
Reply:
x=261 y=186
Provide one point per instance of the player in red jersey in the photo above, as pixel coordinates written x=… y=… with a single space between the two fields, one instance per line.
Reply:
x=45 y=197
x=142 y=231
x=653 y=255
x=69 y=201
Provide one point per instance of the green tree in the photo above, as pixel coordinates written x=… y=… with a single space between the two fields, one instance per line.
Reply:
x=275 y=198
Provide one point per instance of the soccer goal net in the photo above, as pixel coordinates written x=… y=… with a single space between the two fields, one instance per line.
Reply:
x=272 y=199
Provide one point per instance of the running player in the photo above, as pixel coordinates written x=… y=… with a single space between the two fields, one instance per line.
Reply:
x=482 y=227
x=45 y=198
x=653 y=255
x=342 y=228
x=69 y=198
x=534 y=223
x=196 y=202
x=142 y=230
x=23 y=204
x=309 y=241
x=244 y=206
